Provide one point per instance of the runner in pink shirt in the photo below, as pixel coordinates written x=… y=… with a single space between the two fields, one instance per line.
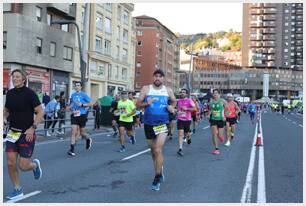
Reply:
x=185 y=106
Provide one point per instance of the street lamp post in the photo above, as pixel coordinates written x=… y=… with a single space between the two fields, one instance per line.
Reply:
x=82 y=62
x=190 y=67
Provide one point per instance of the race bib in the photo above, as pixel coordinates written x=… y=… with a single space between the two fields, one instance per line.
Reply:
x=77 y=113
x=160 y=129
x=13 y=136
x=216 y=113
x=183 y=114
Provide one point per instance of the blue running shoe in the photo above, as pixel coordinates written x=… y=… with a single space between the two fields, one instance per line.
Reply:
x=37 y=171
x=15 y=194
x=156 y=184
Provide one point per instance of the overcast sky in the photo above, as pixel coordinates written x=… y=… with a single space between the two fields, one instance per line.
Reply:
x=191 y=18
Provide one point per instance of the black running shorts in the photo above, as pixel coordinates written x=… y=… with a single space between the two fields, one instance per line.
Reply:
x=80 y=120
x=218 y=123
x=183 y=125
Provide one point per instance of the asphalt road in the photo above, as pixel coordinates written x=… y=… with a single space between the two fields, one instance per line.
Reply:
x=100 y=175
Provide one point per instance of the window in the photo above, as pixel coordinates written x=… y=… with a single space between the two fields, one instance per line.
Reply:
x=117 y=51
x=286 y=24
x=125 y=17
x=101 y=70
x=7 y=7
x=138 y=64
x=93 y=66
x=49 y=19
x=286 y=10
x=139 y=43
x=119 y=13
x=52 y=49
x=110 y=74
x=139 y=53
x=116 y=70
x=125 y=54
x=124 y=73
x=98 y=45
x=107 y=25
x=38 y=13
x=118 y=32
x=38 y=45
x=125 y=36
x=67 y=53
x=64 y=27
x=107 y=47
x=139 y=33
x=4 y=39
x=83 y=15
x=99 y=21
x=286 y=30
x=108 y=7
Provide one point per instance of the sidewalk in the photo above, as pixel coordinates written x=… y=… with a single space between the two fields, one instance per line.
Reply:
x=89 y=129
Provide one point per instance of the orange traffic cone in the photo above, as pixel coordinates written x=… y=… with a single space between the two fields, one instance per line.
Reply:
x=258 y=140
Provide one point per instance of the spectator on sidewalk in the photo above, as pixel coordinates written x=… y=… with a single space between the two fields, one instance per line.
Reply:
x=51 y=114
x=97 y=114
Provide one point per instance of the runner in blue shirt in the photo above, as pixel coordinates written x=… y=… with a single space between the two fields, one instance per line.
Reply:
x=79 y=100
x=252 y=111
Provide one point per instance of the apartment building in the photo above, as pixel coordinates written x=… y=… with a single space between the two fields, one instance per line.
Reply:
x=156 y=48
x=111 y=48
x=32 y=44
x=273 y=35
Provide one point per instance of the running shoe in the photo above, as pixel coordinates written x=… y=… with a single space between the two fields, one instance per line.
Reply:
x=216 y=152
x=180 y=152
x=15 y=194
x=228 y=143
x=156 y=184
x=193 y=131
x=130 y=139
x=122 y=149
x=232 y=137
x=189 y=140
x=221 y=138
x=37 y=171
x=185 y=140
x=71 y=153
x=88 y=143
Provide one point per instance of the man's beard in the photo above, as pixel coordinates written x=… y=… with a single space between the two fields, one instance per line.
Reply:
x=157 y=84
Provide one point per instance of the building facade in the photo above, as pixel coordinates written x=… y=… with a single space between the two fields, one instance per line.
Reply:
x=210 y=73
x=111 y=48
x=273 y=35
x=156 y=48
x=32 y=44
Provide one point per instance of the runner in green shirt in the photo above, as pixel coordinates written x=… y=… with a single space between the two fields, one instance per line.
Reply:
x=127 y=109
x=217 y=118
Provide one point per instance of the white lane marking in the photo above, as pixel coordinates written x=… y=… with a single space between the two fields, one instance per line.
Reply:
x=135 y=155
x=24 y=197
x=247 y=189
x=300 y=125
x=206 y=127
x=294 y=122
x=289 y=120
x=261 y=185
x=64 y=140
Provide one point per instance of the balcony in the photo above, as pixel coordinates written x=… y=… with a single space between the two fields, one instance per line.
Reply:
x=269 y=17
x=269 y=37
x=255 y=11
x=67 y=10
x=299 y=11
x=256 y=38
x=268 y=31
x=256 y=44
x=269 y=11
x=269 y=24
x=271 y=51
x=256 y=24
x=271 y=57
x=299 y=18
x=271 y=64
x=269 y=5
x=256 y=5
